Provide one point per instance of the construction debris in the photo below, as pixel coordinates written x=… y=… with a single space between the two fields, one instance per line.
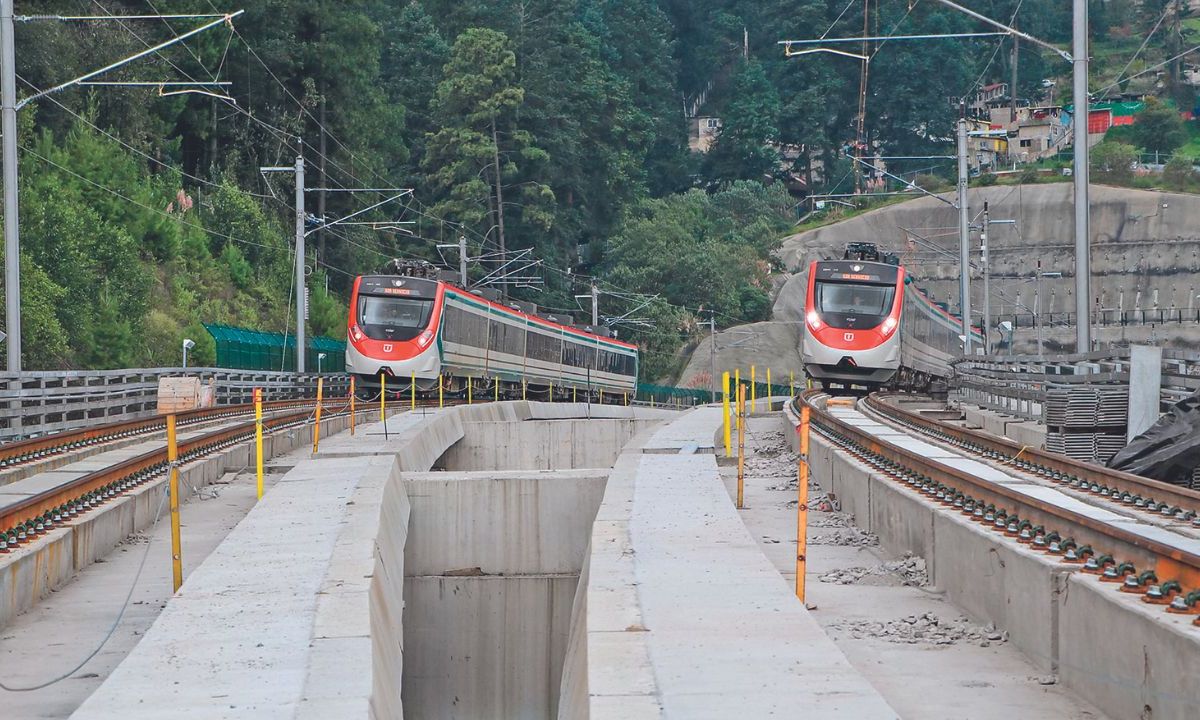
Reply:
x=927 y=629
x=908 y=571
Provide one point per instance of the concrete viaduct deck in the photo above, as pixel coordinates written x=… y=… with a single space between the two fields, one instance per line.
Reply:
x=505 y=560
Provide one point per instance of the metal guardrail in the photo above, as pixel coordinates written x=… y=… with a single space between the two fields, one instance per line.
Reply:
x=1106 y=318
x=1017 y=384
x=37 y=403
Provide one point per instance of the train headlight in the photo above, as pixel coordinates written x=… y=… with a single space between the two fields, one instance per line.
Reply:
x=356 y=333
x=424 y=339
x=889 y=324
x=814 y=320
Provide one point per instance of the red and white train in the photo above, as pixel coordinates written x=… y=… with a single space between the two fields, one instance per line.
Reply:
x=866 y=325
x=413 y=328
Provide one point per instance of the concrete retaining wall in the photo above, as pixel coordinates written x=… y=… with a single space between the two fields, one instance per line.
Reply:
x=541 y=444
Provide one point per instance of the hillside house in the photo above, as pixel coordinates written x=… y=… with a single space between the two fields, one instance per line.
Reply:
x=702 y=132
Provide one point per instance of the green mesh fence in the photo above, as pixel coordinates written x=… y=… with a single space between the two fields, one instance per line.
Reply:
x=243 y=349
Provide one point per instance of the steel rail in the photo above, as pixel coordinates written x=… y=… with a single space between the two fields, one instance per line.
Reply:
x=1141 y=563
x=42 y=511
x=1153 y=496
x=20 y=452
x=34 y=515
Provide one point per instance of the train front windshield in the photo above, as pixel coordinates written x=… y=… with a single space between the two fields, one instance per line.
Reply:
x=393 y=318
x=848 y=305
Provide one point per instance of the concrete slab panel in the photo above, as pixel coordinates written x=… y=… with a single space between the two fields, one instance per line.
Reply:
x=487 y=647
x=505 y=523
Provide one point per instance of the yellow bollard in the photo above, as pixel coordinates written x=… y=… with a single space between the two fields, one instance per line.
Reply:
x=737 y=383
x=412 y=392
x=352 y=401
x=725 y=407
x=441 y=400
x=601 y=396
x=551 y=391
x=317 y=424
x=496 y=385
x=791 y=381
x=769 y=391
x=173 y=489
x=258 y=432
x=524 y=389
x=753 y=390
x=625 y=396
x=741 y=456
x=802 y=506
x=575 y=394
x=382 y=395
x=470 y=386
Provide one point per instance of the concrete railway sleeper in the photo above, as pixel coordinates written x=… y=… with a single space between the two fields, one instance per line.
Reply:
x=35 y=515
x=1162 y=569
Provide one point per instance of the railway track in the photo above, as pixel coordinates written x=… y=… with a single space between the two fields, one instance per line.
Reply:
x=1148 y=548
x=24 y=452
x=32 y=516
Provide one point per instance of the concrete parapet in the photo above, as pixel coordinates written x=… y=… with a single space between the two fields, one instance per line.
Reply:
x=684 y=614
x=1129 y=658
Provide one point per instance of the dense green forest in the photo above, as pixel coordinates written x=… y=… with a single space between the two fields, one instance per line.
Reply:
x=551 y=125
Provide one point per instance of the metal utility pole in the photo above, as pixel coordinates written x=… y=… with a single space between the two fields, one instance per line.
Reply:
x=8 y=126
x=595 y=305
x=712 y=352
x=1037 y=307
x=860 y=135
x=987 y=298
x=12 y=241
x=1012 y=88
x=1083 y=264
x=462 y=260
x=301 y=306
x=964 y=238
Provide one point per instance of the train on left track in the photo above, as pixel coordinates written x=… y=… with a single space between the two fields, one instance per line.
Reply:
x=410 y=328
x=867 y=326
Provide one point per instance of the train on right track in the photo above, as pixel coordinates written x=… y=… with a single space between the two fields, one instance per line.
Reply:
x=867 y=326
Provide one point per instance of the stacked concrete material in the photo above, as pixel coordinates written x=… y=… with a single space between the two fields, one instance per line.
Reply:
x=679 y=613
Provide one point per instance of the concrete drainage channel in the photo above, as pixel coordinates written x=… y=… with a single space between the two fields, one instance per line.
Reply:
x=496 y=542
